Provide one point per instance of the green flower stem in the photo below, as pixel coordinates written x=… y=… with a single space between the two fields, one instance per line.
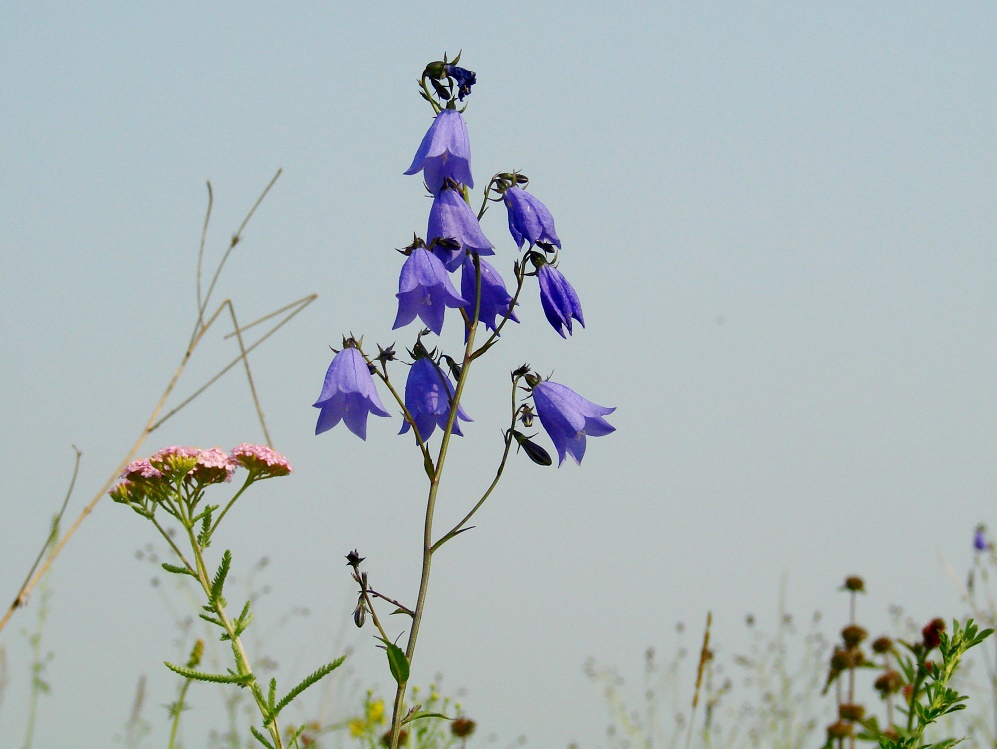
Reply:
x=426 y=457
x=241 y=659
x=434 y=487
x=520 y=280
x=498 y=474
x=214 y=525
x=179 y=711
x=169 y=540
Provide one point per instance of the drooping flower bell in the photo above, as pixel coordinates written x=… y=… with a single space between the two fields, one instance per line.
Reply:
x=495 y=298
x=445 y=152
x=425 y=289
x=529 y=219
x=568 y=418
x=428 y=391
x=559 y=300
x=348 y=394
x=452 y=218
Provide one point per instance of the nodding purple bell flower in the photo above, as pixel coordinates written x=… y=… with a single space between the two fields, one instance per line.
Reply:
x=445 y=152
x=348 y=394
x=425 y=289
x=495 y=298
x=452 y=218
x=559 y=300
x=428 y=391
x=529 y=219
x=568 y=419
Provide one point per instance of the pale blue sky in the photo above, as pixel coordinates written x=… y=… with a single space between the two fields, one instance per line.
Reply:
x=779 y=218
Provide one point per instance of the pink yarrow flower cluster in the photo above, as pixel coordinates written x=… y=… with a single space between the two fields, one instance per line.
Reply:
x=211 y=466
x=261 y=461
x=140 y=469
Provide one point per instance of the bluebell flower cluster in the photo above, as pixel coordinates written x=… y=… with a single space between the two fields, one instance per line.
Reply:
x=455 y=240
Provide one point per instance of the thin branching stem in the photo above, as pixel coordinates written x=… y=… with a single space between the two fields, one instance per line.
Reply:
x=434 y=486
x=154 y=421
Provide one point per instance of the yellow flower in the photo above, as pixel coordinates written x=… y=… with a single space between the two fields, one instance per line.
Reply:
x=375 y=711
x=357 y=728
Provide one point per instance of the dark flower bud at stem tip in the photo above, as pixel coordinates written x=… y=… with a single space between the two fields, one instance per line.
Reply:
x=435 y=70
x=848 y=711
x=853 y=634
x=533 y=451
x=855 y=584
x=889 y=682
x=882 y=645
x=932 y=633
x=840 y=730
x=462 y=727
x=353 y=559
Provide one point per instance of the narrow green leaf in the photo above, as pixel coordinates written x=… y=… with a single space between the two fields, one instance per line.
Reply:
x=177 y=570
x=272 y=696
x=397 y=661
x=261 y=738
x=420 y=716
x=211 y=619
x=305 y=683
x=190 y=673
x=203 y=537
x=219 y=582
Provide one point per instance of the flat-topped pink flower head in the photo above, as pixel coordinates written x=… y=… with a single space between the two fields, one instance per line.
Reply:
x=176 y=459
x=213 y=466
x=261 y=461
x=139 y=470
x=121 y=492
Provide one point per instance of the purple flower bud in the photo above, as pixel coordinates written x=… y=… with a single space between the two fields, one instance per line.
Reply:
x=424 y=289
x=445 y=152
x=348 y=394
x=529 y=219
x=464 y=78
x=559 y=300
x=452 y=218
x=495 y=299
x=428 y=391
x=568 y=419
x=980 y=542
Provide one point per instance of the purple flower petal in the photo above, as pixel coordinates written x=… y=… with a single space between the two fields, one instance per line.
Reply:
x=529 y=219
x=452 y=218
x=445 y=152
x=427 y=397
x=495 y=298
x=568 y=418
x=348 y=394
x=559 y=300
x=425 y=289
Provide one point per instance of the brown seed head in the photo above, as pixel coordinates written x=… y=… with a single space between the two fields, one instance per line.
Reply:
x=855 y=584
x=462 y=727
x=882 y=645
x=852 y=712
x=840 y=730
x=853 y=634
x=889 y=682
